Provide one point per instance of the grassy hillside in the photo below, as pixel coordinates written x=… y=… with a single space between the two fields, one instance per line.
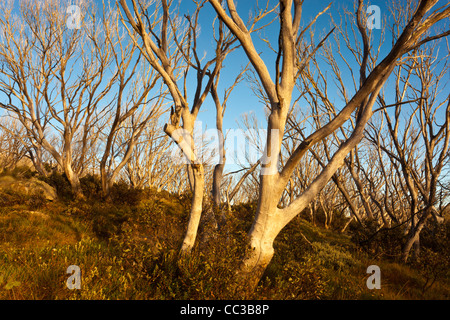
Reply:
x=128 y=249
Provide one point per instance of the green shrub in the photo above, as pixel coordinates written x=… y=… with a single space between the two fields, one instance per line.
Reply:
x=386 y=242
x=10 y=198
x=208 y=273
x=432 y=266
x=19 y=172
x=296 y=280
x=436 y=237
x=34 y=201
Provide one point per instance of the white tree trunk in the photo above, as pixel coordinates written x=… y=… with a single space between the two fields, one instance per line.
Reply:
x=196 y=209
x=73 y=179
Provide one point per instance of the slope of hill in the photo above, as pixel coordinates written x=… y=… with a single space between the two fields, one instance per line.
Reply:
x=130 y=251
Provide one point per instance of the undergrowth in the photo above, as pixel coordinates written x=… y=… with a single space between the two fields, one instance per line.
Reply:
x=130 y=250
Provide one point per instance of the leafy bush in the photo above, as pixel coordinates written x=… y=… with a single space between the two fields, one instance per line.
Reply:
x=436 y=237
x=386 y=242
x=122 y=193
x=434 y=259
x=332 y=256
x=91 y=186
x=432 y=266
x=206 y=274
x=78 y=209
x=303 y=280
x=19 y=172
x=36 y=200
x=61 y=184
x=10 y=198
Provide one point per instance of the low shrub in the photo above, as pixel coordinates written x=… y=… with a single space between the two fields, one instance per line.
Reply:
x=9 y=198
x=19 y=172
x=123 y=194
x=91 y=186
x=36 y=200
x=385 y=242
x=432 y=266
x=296 y=280
x=332 y=256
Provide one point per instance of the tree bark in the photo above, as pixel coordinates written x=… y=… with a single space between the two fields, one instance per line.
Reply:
x=196 y=209
x=73 y=179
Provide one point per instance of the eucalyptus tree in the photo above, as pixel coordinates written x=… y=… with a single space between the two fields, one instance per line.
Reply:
x=47 y=79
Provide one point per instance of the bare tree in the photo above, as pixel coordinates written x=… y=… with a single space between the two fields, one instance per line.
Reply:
x=49 y=82
x=133 y=105
x=156 y=25
x=220 y=112
x=12 y=144
x=150 y=164
x=293 y=56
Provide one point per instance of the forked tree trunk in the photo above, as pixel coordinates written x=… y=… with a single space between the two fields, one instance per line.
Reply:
x=270 y=219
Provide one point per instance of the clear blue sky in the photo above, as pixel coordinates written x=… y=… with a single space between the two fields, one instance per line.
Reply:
x=242 y=99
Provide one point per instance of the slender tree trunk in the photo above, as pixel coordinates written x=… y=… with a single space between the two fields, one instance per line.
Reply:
x=190 y=176
x=347 y=224
x=196 y=208
x=217 y=181
x=37 y=161
x=218 y=175
x=216 y=194
x=218 y=169
x=312 y=211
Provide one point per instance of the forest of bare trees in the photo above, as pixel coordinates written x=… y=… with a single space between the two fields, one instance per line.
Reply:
x=356 y=119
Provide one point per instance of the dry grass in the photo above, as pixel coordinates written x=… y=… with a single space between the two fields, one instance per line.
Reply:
x=131 y=252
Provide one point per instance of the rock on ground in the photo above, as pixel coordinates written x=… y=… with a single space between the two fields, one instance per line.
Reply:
x=28 y=186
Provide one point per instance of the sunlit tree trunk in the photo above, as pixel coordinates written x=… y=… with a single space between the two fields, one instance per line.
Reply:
x=291 y=59
x=172 y=57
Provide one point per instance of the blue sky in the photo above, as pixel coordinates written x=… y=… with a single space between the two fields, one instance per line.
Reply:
x=242 y=100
